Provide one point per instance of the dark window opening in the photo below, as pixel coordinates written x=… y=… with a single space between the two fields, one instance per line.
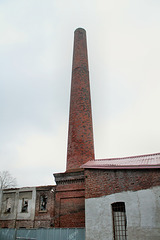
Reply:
x=24 y=205
x=8 y=205
x=8 y=210
x=43 y=203
x=119 y=221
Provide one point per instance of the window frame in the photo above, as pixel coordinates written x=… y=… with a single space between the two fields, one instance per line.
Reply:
x=23 y=205
x=119 y=221
x=7 y=208
x=40 y=203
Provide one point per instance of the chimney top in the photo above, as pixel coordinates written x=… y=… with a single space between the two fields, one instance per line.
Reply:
x=80 y=30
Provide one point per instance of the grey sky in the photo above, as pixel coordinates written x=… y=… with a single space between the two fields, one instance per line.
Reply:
x=36 y=47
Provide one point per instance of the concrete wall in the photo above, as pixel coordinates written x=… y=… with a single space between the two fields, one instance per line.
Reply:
x=142 y=211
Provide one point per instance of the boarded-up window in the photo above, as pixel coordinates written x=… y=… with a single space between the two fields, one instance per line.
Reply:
x=119 y=221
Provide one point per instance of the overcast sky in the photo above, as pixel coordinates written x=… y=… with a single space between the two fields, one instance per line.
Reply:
x=36 y=44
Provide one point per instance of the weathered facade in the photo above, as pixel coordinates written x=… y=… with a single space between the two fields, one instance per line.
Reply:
x=30 y=207
x=122 y=199
x=141 y=214
x=44 y=207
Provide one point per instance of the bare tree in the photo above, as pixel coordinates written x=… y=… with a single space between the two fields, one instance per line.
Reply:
x=6 y=180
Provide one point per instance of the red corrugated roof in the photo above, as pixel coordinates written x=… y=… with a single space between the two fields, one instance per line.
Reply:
x=134 y=162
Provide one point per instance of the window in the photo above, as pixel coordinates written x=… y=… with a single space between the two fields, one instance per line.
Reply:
x=24 y=205
x=119 y=221
x=43 y=203
x=8 y=205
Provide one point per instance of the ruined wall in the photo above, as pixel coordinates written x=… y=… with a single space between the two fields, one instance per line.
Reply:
x=46 y=206
x=18 y=208
x=27 y=207
x=44 y=210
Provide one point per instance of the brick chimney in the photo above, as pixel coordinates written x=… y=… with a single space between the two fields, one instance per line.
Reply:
x=80 y=134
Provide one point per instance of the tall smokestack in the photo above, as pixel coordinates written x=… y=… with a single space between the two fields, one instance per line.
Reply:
x=80 y=134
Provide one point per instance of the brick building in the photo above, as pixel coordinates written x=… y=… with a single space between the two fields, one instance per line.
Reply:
x=123 y=198
x=113 y=198
x=28 y=207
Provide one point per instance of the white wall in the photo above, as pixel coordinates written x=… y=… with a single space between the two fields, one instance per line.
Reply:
x=142 y=211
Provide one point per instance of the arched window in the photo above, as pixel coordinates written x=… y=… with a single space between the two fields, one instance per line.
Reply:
x=119 y=221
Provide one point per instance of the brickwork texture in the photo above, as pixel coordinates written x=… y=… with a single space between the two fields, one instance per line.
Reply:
x=80 y=134
x=100 y=183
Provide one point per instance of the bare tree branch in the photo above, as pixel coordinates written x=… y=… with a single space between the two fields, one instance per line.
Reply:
x=6 y=180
